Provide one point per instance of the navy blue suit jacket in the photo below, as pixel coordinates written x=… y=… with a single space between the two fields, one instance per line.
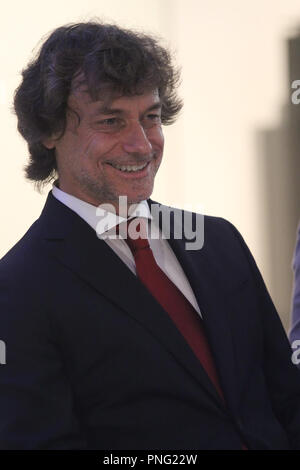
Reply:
x=94 y=362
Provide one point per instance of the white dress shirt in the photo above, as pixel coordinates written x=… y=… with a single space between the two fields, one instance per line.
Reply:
x=162 y=251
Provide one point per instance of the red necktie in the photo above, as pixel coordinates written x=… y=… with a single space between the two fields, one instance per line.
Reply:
x=171 y=298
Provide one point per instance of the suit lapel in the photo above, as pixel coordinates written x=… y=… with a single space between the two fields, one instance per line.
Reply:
x=212 y=300
x=73 y=243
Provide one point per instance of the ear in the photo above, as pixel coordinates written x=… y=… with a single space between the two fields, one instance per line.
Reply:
x=49 y=143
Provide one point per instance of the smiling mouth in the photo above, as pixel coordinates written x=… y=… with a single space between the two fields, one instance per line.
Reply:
x=129 y=168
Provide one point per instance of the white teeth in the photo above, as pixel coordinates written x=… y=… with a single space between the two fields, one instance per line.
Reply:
x=129 y=167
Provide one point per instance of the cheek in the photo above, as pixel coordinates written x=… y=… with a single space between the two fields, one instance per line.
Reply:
x=97 y=147
x=160 y=137
x=70 y=144
x=156 y=138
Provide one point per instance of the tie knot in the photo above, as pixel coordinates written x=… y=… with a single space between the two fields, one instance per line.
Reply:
x=137 y=234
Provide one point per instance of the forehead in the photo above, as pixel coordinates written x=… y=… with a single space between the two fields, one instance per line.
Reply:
x=81 y=99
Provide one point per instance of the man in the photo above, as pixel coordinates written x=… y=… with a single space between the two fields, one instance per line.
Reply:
x=130 y=343
x=295 y=328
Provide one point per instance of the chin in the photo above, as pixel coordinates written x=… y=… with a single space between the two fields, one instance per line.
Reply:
x=135 y=200
x=139 y=198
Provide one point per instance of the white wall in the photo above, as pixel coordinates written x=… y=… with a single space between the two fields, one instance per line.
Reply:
x=234 y=86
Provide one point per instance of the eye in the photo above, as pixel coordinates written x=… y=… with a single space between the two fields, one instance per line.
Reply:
x=109 y=124
x=151 y=120
x=153 y=117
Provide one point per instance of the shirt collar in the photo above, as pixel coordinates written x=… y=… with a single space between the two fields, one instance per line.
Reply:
x=99 y=219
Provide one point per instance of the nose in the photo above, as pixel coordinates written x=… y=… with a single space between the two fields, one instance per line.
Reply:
x=136 y=140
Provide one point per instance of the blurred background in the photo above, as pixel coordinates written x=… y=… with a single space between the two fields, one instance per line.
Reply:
x=234 y=151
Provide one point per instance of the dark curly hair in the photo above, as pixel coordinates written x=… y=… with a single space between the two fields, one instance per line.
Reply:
x=107 y=58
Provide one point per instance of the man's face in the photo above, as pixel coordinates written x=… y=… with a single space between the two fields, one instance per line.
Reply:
x=94 y=156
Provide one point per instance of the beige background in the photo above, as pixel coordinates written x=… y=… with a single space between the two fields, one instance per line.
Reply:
x=235 y=88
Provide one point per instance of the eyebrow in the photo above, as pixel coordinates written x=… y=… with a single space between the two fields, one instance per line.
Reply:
x=106 y=110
